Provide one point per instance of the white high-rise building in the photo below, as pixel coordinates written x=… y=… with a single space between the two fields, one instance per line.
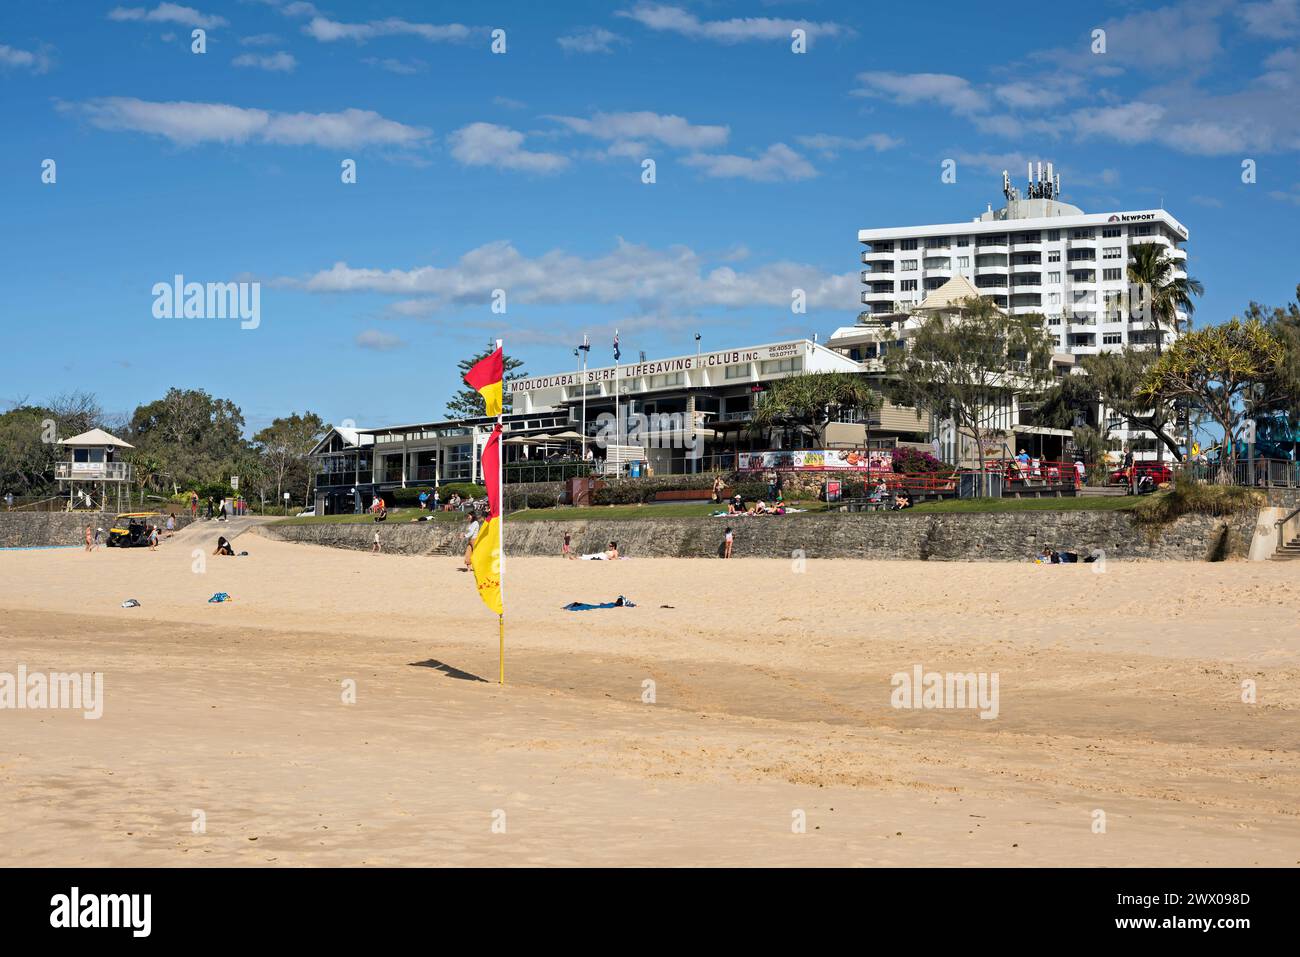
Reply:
x=1034 y=255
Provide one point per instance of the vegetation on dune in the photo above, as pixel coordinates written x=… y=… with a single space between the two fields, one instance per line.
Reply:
x=1196 y=498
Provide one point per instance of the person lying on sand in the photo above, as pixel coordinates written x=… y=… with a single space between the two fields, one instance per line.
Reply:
x=610 y=554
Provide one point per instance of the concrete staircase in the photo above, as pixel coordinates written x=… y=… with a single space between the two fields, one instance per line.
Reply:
x=1288 y=552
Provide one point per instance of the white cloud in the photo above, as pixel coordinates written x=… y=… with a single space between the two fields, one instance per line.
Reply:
x=327 y=31
x=628 y=133
x=188 y=124
x=379 y=341
x=274 y=62
x=13 y=58
x=830 y=145
x=655 y=280
x=291 y=8
x=906 y=89
x=590 y=40
x=487 y=144
x=1126 y=123
x=663 y=17
x=1272 y=18
x=400 y=67
x=259 y=40
x=777 y=162
x=168 y=13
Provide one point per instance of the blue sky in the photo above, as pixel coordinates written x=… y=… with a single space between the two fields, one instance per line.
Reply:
x=522 y=171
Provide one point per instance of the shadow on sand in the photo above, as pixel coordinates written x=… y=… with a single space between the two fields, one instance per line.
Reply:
x=447 y=669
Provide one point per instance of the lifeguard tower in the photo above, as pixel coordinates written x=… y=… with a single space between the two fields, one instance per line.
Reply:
x=92 y=469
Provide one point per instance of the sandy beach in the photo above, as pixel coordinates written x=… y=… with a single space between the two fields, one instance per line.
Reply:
x=1120 y=691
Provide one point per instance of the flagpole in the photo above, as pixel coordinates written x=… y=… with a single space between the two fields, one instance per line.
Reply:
x=501 y=530
x=618 y=426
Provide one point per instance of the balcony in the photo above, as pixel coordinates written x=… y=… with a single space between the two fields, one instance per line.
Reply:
x=92 y=471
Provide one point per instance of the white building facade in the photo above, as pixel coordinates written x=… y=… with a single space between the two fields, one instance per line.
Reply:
x=1034 y=255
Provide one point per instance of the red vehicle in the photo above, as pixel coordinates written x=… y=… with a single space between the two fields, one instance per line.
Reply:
x=1158 y=471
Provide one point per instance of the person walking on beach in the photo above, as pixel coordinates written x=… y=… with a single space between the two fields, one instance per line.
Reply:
x=727 y=541
x=194 y=504
x=153 y=538
x=376 y=547
x=471 y=533
x=718 y=487
x=566 y=550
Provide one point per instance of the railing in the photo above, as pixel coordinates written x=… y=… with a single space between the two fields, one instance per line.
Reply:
x=1281 y=526
x=1257 y=473
x=93 y=471
x=519 y=473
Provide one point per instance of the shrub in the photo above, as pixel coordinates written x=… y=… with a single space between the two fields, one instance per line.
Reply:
x=632 y=491
x=910 y=460
x=1189 y=497
x=463 y=489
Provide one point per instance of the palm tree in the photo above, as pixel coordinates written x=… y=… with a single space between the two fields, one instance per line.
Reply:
x=805 y=403
x=1165 y=294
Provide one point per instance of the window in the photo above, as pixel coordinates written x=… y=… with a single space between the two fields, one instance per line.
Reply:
x=1081 y=234
x=773 y=366
x=882 y=247
x=907 y=265
x=1054 y=320
x=737 y=371
x=1110 y=232
x=907 y=244
x=1111 y=252
x=669 y=379
x=937 y=242
x=1053 y=298
x=1053 y=235
x=963 y=240
x=1053 y=277
x=1111 y=339
x=963 y=262
x=1079 y=254
x=1142 y=231
x=908 y=285
x=1110 y=275
x=1054 y=256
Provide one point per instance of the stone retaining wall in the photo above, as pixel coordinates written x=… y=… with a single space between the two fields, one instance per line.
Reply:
x=1006 y=536
x=31 y=529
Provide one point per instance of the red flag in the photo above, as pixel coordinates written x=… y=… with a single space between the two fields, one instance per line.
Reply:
x=485 y=376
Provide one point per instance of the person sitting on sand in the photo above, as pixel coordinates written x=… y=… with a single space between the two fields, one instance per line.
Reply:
x=901 y=501
x=223 y=547
x=760 y=508
x=611 y=553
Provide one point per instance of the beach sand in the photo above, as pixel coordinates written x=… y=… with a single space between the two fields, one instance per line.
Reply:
x=1120 y=691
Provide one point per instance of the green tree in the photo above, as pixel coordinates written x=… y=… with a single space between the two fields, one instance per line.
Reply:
x=804 y=404
x=962 y=363
x=1116 y=378
x=466 y=403
x=1218 y=369
x=1161 y=293
x=1283 y=322
x=284 y=447
x=197 y=438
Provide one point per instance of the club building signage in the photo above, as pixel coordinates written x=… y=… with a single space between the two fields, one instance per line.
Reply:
x=877 y=460
x=709 y=372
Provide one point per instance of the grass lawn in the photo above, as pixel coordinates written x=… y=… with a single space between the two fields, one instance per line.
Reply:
x=1104 y=503
x=398 y=515
x=632 y=512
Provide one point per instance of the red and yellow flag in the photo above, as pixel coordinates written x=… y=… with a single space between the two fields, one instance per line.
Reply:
x=486 y=557
x=485 y=376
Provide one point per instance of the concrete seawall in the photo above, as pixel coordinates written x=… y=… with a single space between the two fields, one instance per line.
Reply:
x=1008 y=536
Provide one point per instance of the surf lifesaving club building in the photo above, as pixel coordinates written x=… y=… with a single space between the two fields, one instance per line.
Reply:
x=707 y=397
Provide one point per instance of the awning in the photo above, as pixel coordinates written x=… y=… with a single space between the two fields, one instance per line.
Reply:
x=1041 y=430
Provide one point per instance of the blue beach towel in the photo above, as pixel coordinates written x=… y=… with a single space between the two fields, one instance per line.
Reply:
x=620 y=602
